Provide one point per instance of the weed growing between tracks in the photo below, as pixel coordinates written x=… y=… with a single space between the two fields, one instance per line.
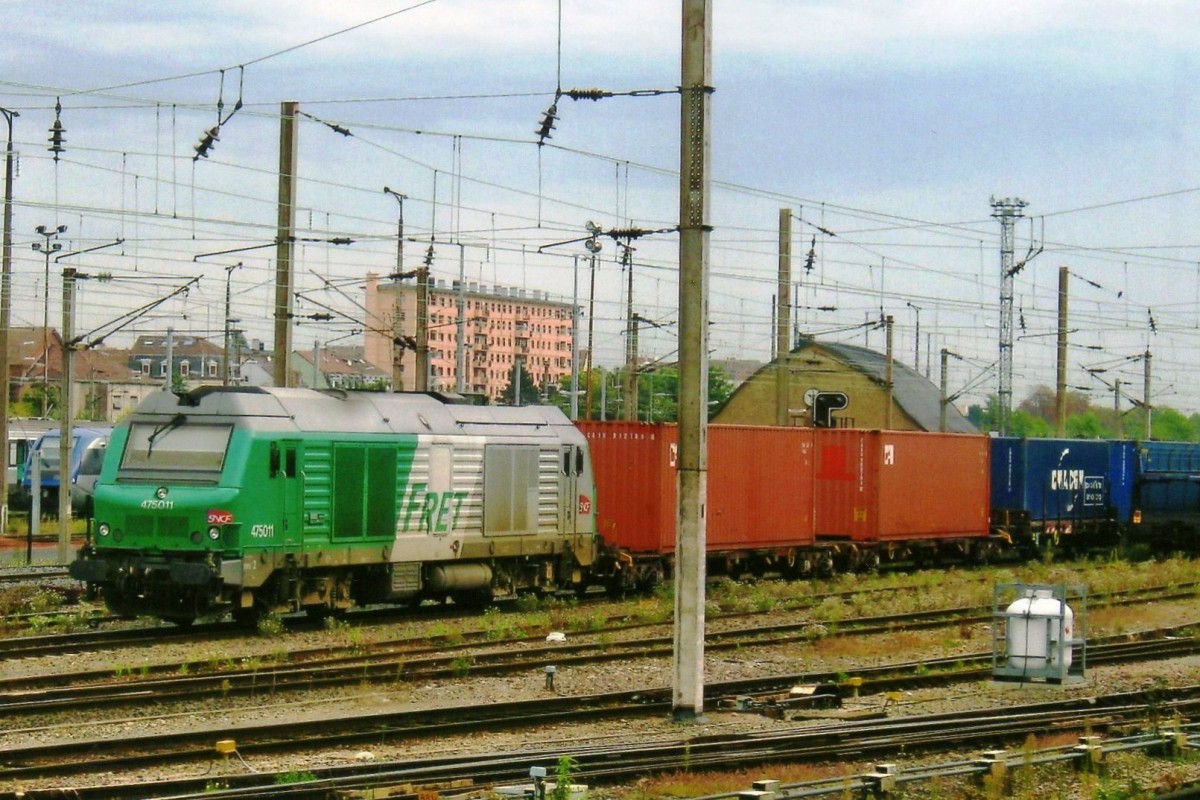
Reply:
x=30 y=600
x=698 y=784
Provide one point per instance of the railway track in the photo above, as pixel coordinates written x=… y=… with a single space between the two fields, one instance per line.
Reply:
x=26 y=574
x=94 y=640
x=759 y=693
x=843 y=741
x=425 y=659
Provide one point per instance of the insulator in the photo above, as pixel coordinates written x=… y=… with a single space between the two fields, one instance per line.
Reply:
x=587 y=94
x=206 y=142
x=547 y=123
x=56 y=138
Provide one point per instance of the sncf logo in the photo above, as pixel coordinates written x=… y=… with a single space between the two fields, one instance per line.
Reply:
x=219 y=517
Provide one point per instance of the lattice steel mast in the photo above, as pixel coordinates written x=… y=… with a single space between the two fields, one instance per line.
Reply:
x=1007 y=210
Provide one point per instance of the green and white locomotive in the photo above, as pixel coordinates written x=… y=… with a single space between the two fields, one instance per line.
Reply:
x=255 y=500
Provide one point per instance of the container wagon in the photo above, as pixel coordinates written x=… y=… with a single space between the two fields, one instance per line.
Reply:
x=759 y=512
x=1069 y=493
x=1166 y=502
x=883 y=496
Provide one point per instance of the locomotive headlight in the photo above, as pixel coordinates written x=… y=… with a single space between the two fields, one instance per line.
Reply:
x=104 y=530
x=214 y=533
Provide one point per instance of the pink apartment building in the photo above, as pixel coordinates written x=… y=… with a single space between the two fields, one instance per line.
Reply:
x=504 y=325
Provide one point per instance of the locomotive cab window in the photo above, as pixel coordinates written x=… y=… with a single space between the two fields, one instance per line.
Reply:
x=176 y=445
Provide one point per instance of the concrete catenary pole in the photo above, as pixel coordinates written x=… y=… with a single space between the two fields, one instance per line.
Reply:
x=397 y=342
x=888 y=375
x=945 y=400
x=575 y=339
x=591 y=333
x=6 y=307
x=1117 y=408
x=169 y=363
x=783 y=321
x=422 y=364
x=284 y=239
x=225 y=350
x=1146 y=395
x=694 y=146
x=1060 y=387
x=460 y=346
x=630 y=403
x=68 y=417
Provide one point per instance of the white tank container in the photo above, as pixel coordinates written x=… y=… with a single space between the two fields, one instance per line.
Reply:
x=1040 y=630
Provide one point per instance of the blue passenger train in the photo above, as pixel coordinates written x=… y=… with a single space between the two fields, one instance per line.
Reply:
x=88 y=445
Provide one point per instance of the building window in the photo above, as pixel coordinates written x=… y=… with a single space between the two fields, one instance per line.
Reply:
x=185 y=368
x=146 y=368
x=212 y=369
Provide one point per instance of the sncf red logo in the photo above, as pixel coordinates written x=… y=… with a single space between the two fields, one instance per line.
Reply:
x=585 y=504
x=219 y=517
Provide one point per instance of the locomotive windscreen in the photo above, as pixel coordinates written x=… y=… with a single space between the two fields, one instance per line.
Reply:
x=192 y=447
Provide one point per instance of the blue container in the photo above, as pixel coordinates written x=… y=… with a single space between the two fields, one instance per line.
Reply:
x=1168 y=485
x=1061 y=485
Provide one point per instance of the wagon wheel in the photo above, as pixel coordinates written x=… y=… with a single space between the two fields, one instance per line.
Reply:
x=981 y=553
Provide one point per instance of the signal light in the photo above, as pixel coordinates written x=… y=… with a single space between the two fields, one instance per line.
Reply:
x=206 y=142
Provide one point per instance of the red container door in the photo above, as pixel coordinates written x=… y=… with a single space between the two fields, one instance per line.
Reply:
x=759 y=488
x=634 y=471
x=932 y=485
x=845 y=495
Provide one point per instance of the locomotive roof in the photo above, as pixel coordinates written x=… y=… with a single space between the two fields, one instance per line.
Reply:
x=337 y=411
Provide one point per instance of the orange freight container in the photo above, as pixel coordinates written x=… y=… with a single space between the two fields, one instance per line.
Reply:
x=887 y=486
x=759 y=486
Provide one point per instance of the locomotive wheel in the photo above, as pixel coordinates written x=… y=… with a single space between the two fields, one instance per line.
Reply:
x=247 y=617
x=476 y=598
x=322 y=613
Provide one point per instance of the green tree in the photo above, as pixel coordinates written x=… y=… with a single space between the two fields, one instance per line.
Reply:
x=39 y=400
x=1087 y=426
x=530 y=395
x=1168 y=425
x=658 y=393
x=720 y=389
x=985 y=417
x=1029 y=426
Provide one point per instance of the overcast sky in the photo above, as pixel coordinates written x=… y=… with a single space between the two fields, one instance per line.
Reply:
x=887 y=124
